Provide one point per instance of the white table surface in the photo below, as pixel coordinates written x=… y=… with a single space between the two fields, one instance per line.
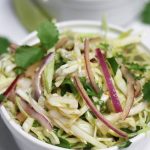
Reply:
x=11 y=28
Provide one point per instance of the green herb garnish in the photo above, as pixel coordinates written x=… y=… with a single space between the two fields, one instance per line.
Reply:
x=136 y=67
x=146 y=13
x=48 y=34
x=113 y=63
x=68 y=86
x=146 y=91
x=19 y=70
x=64 y=143
x=88 y=146
x=130 y=132
x=36 y=124
x=26 y=56
x=2 y=97
x=125 y=144
x=90 y=91
x=4 y=44
x=102 y=105
x=59 y=61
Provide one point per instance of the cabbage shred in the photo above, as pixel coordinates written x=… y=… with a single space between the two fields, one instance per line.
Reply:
x=74 y=125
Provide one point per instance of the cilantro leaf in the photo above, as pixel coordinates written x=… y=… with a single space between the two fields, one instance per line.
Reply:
x=136 y=67
x=145 y=16
x=2 y=97
x=26 y=56
x=36 y=124
x=113 y=63
x=90 y=91
x=4 y=44
x=130 y=132
x=88 y=146
x=68 y=86
x=64 y=143
x=48 y=34
x=19 y=70
x=125 y=144
x=146 y=91
x=59 y=61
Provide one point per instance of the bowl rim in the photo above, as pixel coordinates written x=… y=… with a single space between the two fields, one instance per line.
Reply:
x=17 y=128
x=105 y=1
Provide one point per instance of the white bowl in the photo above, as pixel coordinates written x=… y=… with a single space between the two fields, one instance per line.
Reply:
x=27 y=142
x=116 y=11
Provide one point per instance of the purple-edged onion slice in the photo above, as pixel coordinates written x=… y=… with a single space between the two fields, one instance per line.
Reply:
x=88 y=66
x=11 y=87
x=36 y=115
x=38 y=75
x=94 y=110
x=130 y=92
x=110 y=86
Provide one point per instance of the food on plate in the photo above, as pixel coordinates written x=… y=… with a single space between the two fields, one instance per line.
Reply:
x=77 y=90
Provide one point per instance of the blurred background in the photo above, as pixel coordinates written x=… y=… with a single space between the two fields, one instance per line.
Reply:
x=19 y=17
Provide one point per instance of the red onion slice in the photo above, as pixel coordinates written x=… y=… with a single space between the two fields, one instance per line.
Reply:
x=38 y=75
x=37 y=116
x=111 y=88
x=130 y=92
x=88 y=66
x=11 y=87
x=94 y=110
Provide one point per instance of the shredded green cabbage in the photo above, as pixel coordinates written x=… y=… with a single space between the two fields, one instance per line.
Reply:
x=74 y=124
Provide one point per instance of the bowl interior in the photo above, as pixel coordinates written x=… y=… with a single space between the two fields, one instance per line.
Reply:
x=77 y=26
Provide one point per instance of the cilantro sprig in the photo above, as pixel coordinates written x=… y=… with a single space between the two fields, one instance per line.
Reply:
x=4 y=44
x=125 y=144
x=90 y=91
x=2 y=97
x=28 y=55
x=136 y=67
x=68 y=85
x=145 y=16
x=146 y=91
x=48 y=34
x=113 y=63
x=64 y=143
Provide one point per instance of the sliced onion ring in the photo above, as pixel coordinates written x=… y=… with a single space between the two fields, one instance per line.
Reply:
x=111 y=88
x=38 y=75
x=94 y=110
x=34 y=114
x=88 y=66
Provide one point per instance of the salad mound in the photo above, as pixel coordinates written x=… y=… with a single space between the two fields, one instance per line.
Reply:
x=75 y=90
